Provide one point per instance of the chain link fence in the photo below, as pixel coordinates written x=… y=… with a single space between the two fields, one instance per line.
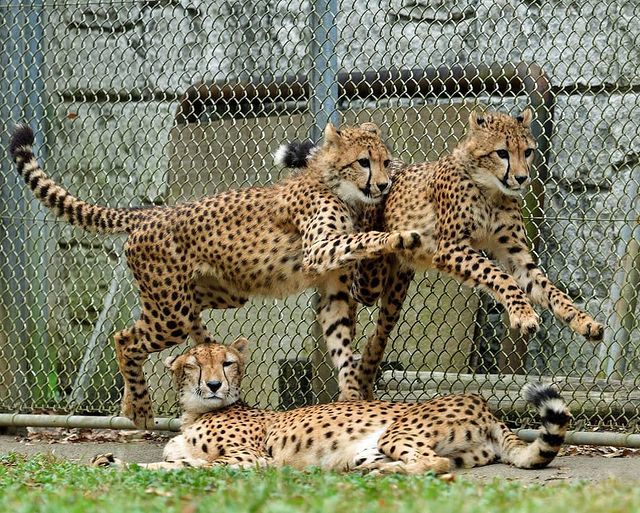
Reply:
x=139 y=103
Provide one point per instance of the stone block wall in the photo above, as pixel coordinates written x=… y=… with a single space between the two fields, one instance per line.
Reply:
x=114 y=72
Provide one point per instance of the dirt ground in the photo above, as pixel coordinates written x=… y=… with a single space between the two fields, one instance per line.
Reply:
x=576 y=463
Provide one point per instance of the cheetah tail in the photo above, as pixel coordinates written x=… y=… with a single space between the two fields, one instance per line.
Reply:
x=553 y=428
x=294 y=154
x=73 y=210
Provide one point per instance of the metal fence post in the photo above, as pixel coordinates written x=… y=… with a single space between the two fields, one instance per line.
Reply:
x=23 y=90
x=323 y=100
x=624 y=293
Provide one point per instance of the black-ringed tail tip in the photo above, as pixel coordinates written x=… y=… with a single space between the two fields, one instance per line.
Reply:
x=294 y=154
x=75 y=211
x=555 y=419
x=22 y=138
x=547 y=400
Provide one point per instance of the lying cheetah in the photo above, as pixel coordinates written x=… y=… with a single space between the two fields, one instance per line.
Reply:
x=464 y=204
x=219 y=251
x=218 y=429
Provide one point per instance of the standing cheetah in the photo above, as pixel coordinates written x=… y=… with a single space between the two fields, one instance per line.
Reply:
x=219 y=251
x=465 y=204
x=218 y=429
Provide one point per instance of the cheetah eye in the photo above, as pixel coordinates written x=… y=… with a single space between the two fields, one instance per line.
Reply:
x=386 y=163
x=503 y=154
x=189 y=366
x=227 y=364
x=364 y=162
x=527 y=153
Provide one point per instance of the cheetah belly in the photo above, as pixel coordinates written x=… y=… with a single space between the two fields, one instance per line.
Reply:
x=279 y=282
x=340 y=453
x=333 y=436
x=366 y=449
x=271 y=268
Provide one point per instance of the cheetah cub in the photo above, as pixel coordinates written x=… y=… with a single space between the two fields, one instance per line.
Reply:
x=465 y=205
x=217 y=252
x=455 y=430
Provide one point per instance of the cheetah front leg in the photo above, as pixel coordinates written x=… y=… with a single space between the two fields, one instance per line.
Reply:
x=109 y=460
x=336 y=319
x=460 y=260
x=336 y=251
x=238 y=460
x=510 y=248
x=393 y=296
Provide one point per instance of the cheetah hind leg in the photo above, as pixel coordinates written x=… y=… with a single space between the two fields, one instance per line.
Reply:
x=136 y=400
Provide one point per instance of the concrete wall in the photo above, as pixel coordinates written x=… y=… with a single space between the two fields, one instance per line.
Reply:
x=114 y=72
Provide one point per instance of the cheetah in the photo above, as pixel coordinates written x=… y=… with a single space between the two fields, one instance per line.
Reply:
x=368 y=436
x=465 y=205
x=273 y=241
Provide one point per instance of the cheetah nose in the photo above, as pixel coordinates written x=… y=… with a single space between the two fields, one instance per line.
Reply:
x=382 y=186
x=521 y=179
x=214 y=386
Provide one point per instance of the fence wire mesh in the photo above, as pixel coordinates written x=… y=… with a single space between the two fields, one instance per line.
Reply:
x=113 y=89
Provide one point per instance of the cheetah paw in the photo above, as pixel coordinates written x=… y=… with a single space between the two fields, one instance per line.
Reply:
x=586 y=326
x=140 y=413
x=350 y=395
x=407 y=240
x=106 y=460
x=526 y=322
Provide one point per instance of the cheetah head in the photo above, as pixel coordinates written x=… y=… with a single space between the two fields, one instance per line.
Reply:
x=504 y=149
x=208 y=376
x=354 y=162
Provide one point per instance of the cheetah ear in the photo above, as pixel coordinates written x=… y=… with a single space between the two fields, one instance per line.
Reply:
x=525 y=118
x=476 y=120
x=170 y=362
x=371 y=127
x=241 y=345
x=331 y=134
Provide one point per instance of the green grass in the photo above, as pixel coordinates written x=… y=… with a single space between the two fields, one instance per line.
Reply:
x=45 y=484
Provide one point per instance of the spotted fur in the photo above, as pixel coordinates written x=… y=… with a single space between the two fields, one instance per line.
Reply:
x=219 y=251
x=466 y=205
x=377 y=436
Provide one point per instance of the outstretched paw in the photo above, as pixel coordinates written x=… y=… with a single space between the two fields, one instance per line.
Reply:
x=407 y=240
x=525 y=321
x=586 y=326
x=106 y=460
